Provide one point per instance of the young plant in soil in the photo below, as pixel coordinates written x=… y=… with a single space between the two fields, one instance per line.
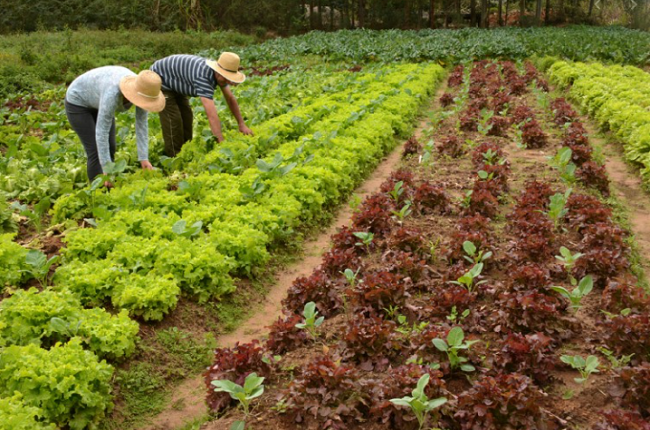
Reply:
x=452 y=348
x=251 y=389
x=467 y=280
x=568 y=260
x=562 y=162
x=366 y=239
x=311 y=323
x=39 y=265
x=575 y=296
x=419 y=403
x=557 y=207
x=585 y=367
x=472 y=255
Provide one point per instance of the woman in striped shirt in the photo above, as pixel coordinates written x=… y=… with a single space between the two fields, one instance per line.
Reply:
x=185 y=76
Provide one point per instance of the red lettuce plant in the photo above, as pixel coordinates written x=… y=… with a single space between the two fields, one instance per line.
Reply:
x=580 y=154
x=628 y=334
x=447 y=99
x=562 y=111
x=503 y=401
x=532 y=135
x=411 y=147
x=397 y=383
x=431 y=198
x=586 y=210
x=336 y=261
x=380 y=290
x=451 y=146
x=406 y=239
x=374 y=216
x=404 y=263
x=531 y=355
x=605 y=252
x=370 y=340
x=618 y=296
x=619 y=419
x=469 y=119
x=318 y=288
x=326 y=392
x=284 y=336
x=456 y=76
x=234 y=364
x=594 y=175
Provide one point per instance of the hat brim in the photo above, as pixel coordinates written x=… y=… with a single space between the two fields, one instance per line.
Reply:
x=127 y=86
x=236 y=77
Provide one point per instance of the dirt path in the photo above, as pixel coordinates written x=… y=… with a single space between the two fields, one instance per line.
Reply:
x=187 y=402
x=627 y=187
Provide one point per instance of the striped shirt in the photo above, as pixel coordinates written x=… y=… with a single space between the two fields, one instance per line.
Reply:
x=186 y=74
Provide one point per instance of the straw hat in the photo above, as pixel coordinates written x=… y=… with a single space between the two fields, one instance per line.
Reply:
x=143 y=90
x=228 y=66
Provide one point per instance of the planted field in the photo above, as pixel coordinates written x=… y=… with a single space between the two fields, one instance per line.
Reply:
x=491 y=282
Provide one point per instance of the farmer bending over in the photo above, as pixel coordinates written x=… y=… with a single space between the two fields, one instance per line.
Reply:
x=90 y=105
x=186 y=76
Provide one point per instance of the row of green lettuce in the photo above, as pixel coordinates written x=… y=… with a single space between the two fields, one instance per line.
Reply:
x=617 y=98
x=159 y=236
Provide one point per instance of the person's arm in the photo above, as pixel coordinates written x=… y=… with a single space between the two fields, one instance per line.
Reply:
x=142 y=137
x=234 y=108
x=105 y=117
x=213 y=117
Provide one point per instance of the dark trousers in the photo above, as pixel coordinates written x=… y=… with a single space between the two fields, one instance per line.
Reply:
x=83 y=121
x=176 y=122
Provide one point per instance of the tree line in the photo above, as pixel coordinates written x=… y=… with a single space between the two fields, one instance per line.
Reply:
x=295 y=16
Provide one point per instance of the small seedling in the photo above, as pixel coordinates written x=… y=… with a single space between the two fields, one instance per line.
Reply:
x=562 y=162
x=467 y=280
x=624 y=312
x=484 y=125
x=366 y=239
x=397 y=191
x=568 y=260
x=467 y=199
x=485 y=176
x=252 y=389
x=419 y=403
x=452 y=346
x=585 y=367
x=311 y=323
x=583 y=288
x=351 y=276
x=519 y=134
x=405 y=328
x=39 y=265
x=454 y=318
x=557 y=207
x=427 y=153
x=403 y=213
x=472 y=256
x=616 y=363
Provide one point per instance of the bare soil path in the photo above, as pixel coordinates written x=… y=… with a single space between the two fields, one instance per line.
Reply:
x=187 y=402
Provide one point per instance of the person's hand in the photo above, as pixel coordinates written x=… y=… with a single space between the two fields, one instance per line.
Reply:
x=146 y=165
x=245 y=130
x=108 y=184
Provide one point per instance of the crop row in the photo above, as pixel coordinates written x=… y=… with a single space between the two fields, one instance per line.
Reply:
x=157 y=236
x=617 y=97
x=394 y=325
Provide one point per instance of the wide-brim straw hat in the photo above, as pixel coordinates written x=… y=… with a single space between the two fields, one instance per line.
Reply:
x=228 y=66
x=144 y=91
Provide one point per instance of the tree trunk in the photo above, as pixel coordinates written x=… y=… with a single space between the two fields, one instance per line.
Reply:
x=560 y=11
x=484 y=14
x=538 y=12
x=407 y=14
x=522 y=10
x=331 y=15
x=591 y=7
x=312 y=21
x=361 y=13
x=507 y=11
x=432 y=14
x=499 y=11
x=472 y=13
x=547 y=13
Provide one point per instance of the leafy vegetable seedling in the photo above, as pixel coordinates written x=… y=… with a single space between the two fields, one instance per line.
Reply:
x=453 y=346
x=39 y=265
x=472 y=256
x=419 y=403
x=366 y=239
x=584 y=287
x=568 y=260
x=252 y=389
x=467 y=280
x=311 y=324
x=585 y=367
x=556 y=208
